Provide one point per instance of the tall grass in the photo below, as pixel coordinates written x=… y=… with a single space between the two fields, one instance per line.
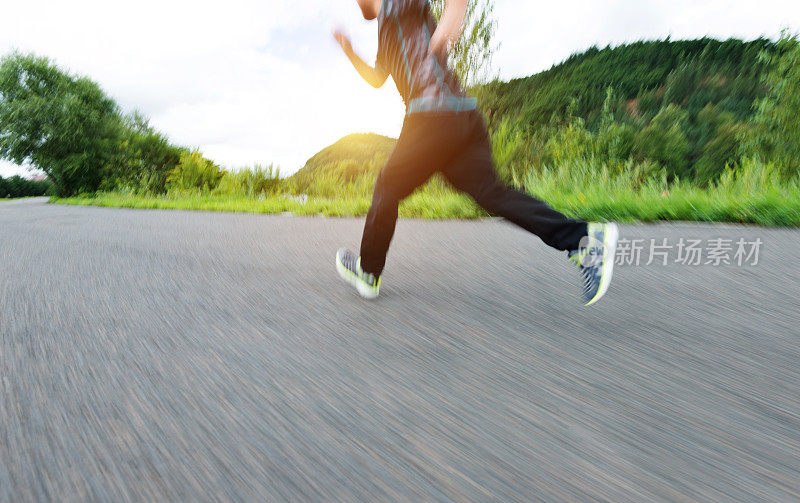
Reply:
x=583 y=189
x=750 y=193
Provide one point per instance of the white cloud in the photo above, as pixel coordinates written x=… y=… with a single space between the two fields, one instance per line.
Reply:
x=260 y=81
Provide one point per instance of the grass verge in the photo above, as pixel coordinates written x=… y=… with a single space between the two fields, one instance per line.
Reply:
x=771 y=207
x=753 y=193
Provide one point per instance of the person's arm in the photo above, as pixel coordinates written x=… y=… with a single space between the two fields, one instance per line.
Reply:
x=450 y=26
x=374 y=76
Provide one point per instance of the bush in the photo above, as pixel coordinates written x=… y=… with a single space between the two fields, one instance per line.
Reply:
x=143 y=158
x=571 y=142
x=194 y=172
x=510 y=150
x=612 y=143
x=17 y=186
x=250 y=182
x=664 y=142
x=775 y=132
x=719 y=153
x=683 y=82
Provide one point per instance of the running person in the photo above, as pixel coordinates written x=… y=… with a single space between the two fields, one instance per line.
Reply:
x=444 y=132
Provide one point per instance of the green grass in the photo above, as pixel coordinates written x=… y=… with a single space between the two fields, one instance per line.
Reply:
x=752 y=194
x=584 y=190
x=420 y=205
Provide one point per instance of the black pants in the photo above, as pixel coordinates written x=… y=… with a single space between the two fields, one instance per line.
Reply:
x=457 y=145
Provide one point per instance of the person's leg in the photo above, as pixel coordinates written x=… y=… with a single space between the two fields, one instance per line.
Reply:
x=426 y=144
x=473 y=172
x=382 y=218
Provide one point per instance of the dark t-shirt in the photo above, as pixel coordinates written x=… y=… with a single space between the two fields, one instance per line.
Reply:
x=424 y=80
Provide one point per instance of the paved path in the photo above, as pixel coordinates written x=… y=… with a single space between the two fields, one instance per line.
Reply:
x=191 y=356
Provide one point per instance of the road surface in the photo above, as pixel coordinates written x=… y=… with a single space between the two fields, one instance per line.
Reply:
x=194 y=356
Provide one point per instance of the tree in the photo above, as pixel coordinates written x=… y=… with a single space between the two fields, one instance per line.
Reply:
x=717 y=143
x=16 y=186
x=471 y=56
x=194 y=172
x=664 y=141
x=143 y=157
x=775 y=132
x=64 y=125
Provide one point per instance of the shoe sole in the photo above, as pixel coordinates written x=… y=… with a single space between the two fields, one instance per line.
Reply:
x=363 y=289
x=610 y=238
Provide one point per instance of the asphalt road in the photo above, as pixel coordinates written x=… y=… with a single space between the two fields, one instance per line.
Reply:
x=192 y=356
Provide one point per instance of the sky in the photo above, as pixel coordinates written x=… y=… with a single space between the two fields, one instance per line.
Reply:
x=262 y=81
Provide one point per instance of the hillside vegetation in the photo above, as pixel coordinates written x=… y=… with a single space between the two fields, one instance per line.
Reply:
x=645 y=77
x=699 y=129
x=680 y=104
x=674 y=107
x=353 y=157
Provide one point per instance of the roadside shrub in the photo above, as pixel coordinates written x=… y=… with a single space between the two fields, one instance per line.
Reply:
x=194 y=172
x=663 y=141
x=143 y=158
x=510 y=150
x=17 y=186
x=568 y=143
x=348 y=171
x=251 y=182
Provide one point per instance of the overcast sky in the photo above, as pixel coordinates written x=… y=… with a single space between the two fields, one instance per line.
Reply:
x=261 y=81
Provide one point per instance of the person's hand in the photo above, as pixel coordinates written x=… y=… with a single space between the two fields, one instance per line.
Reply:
x=344 y=41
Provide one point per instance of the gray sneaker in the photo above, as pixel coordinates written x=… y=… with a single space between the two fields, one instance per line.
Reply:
x=595 y=259
x=349 y=266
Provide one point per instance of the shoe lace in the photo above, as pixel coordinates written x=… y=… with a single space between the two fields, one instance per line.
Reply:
x=588 y=271
x=350 y=262
x=368 y=277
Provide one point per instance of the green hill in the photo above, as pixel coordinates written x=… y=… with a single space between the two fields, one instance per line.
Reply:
x=645 y=76
x=677 y=105
x=350 y=156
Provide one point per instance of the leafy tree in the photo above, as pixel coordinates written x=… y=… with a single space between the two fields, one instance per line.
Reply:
x=720 y=152
x=471 y=56
x=64 y=125
x=715 y=136
x=613 y=141
x=194 y=172
x=683 y=82
x=143 y=157
x=17 y=186
x=663 y=141
x=775 y=132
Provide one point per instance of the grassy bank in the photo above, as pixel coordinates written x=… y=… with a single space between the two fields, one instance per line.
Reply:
x=749 y=195
x=421 y=205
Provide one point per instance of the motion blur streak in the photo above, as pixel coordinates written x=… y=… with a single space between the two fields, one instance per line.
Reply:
x=179 y=356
